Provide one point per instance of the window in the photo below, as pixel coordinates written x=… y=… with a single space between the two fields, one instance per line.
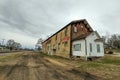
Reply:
x=61 y=36
x=53 y=46
x=58 y=46
x=81 y=26
x=75 y=29
x=65 y=44
x=66 y=30
x=90 y=47
x=98 y=47
x=47 y=47
x=77 y=47
x=56 y=36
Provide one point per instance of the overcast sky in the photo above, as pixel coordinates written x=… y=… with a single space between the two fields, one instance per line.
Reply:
x=26 y=21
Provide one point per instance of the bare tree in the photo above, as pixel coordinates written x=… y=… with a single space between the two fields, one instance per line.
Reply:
x=17 y=45
x=39 y=44
x=11 y=44
x=104 y=39
x=114 y=41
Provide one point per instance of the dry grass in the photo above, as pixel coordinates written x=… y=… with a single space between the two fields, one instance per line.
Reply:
x=10 y=56
x=35 y=66
x=113 y=50
x=107 y=67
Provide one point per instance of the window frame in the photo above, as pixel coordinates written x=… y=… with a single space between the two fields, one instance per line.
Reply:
x=90 y=45
x=75 y=29
x=56 y=37
x=66 y=44
x=66 y=31
x=76 y=47
x=98 y=48
x=58 y=46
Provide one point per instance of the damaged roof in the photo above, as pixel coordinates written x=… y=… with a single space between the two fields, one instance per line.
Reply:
x=72 y=22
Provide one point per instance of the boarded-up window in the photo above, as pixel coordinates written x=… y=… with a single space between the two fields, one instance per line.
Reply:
x=98 y=47
x=77 y=47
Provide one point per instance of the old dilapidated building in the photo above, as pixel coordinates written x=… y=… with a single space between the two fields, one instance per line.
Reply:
x=75 y=39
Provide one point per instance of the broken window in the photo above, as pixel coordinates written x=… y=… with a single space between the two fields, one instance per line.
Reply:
x=75 y=29
x=81 y=26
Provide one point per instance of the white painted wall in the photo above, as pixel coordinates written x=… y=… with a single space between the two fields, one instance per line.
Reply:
x=82 y=51
x=101 y=53
x=90 y=39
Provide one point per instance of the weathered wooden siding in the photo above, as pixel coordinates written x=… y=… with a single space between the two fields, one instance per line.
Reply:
x=81 y=30
x=59 y=45
x=62 y=44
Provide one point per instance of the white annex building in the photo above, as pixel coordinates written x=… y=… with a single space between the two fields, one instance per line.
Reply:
x=88 y=46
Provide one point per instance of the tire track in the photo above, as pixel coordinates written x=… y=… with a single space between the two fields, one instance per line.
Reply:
x=32 y=66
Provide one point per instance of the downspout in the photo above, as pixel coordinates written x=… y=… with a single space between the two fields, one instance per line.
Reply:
x=70 y=41
x=86 y=48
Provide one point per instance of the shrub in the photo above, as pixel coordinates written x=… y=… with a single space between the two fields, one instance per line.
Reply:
x=110 y=52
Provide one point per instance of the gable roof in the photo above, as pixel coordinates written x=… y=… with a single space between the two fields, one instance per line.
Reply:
x=86 y=35
x=83 y=36
x=99 y=40
x=72 y=22
x=97 y=34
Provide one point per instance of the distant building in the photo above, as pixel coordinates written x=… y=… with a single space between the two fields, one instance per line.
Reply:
x=1 y=48
x=75 y=39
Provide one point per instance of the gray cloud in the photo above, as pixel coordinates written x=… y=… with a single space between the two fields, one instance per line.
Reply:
x=31 y=19
x=12 y=15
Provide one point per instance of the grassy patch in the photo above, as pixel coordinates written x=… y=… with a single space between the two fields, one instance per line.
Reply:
x=5 y=58
x=114 y=50
x=5 y=50
x=110 y=60
x=52 y=56
x=8 y=57
x=107 y=67
x=100 y=62
x=86 y=66
x=93 y=64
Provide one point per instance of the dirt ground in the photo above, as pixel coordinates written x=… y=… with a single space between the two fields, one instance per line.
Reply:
x=33 y=66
